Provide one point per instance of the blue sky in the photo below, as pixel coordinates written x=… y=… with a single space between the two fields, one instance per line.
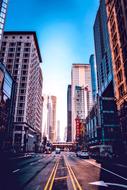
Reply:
x=65 y=34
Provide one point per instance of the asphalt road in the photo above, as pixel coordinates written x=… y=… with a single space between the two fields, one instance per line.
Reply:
x=61 y=172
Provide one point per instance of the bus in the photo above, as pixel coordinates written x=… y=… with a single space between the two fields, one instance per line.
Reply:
x=101 y=151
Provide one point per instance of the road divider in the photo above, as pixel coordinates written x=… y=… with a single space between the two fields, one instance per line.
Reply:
x=51 y=178
x=74 y=181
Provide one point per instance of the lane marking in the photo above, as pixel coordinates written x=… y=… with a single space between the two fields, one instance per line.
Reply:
x=121 y=165
x=50 y=188
x=60 y=178
x=79 y=187
x=106 y=170
x=15 y=171
x=72 y=181
x=49 y=179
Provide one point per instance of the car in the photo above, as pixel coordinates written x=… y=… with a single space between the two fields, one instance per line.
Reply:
x=78 y=153
x=57 y=151
x=84 y=154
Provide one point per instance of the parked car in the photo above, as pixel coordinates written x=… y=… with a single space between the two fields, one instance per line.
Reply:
x=57 y=151
x=84 y=154
x=78 y=153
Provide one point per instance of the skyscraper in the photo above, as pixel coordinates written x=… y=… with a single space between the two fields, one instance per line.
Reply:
x=3 y=10
x=103 y=117
x=69 y=112
x=7 y=103
x=117 y=25
x=51 y=118
x=102 y=50
x=21 y=55
x=93 y=77
x=81 y=77
x=58 y=131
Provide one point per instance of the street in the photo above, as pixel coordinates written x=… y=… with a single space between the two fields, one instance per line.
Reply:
x=62 y=171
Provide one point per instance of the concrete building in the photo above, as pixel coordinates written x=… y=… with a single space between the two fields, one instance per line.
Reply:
x=69 y=113
x=93 y=77
x=21 y=55
x=51 y=118
x=81 y=77
x=58 y=131
x=7 y=102
x=3 y=11
x=117 y=25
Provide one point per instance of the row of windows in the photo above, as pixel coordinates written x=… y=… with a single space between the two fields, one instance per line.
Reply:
x=13 y=37
x=13 y=44
x=11 y=60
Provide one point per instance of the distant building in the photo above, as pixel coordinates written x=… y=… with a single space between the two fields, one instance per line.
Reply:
x=93 y=77
x=65 y=134
x=81 y=77
x=7 y=91
x=69 y=113
x=21 y=55
x=51 y=118
x=3 y=11
x=117 y=25
x=58 y=131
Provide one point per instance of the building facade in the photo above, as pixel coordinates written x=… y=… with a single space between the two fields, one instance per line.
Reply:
x=69 y=113
x=81 y=77
x=102 y=50
x=21 y=55
x=117 y=25
x=93 y=77
x=102 y=122
x=3 y=11
x=51 y=118
x=7 y=102
x=58 y=131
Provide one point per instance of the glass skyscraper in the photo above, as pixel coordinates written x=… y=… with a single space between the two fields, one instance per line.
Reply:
x=93 y=77
x=6 y=108
x=3 y=10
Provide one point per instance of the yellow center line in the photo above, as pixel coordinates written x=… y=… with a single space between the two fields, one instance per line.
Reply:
x=73 y=175
x=80 y=188
x=47 y=184
x=72 y=181
x=53 y=177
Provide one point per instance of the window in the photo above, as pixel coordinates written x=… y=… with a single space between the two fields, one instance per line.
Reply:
x=118 y=63
x=27 y=44
x=19 y=43
x=119 y=76
x=12 y=44
x=121 y=90
x=4 y=43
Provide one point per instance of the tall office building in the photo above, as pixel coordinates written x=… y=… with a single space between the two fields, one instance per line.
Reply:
x=117 y=25
x=69 y=112
x=80 y=77
x=3 y=11
x=21 y=55
x=7 y=92
x=58 y=131
x=102 y=51
x=51 y=118
x=93 y=77
x=103 y=117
